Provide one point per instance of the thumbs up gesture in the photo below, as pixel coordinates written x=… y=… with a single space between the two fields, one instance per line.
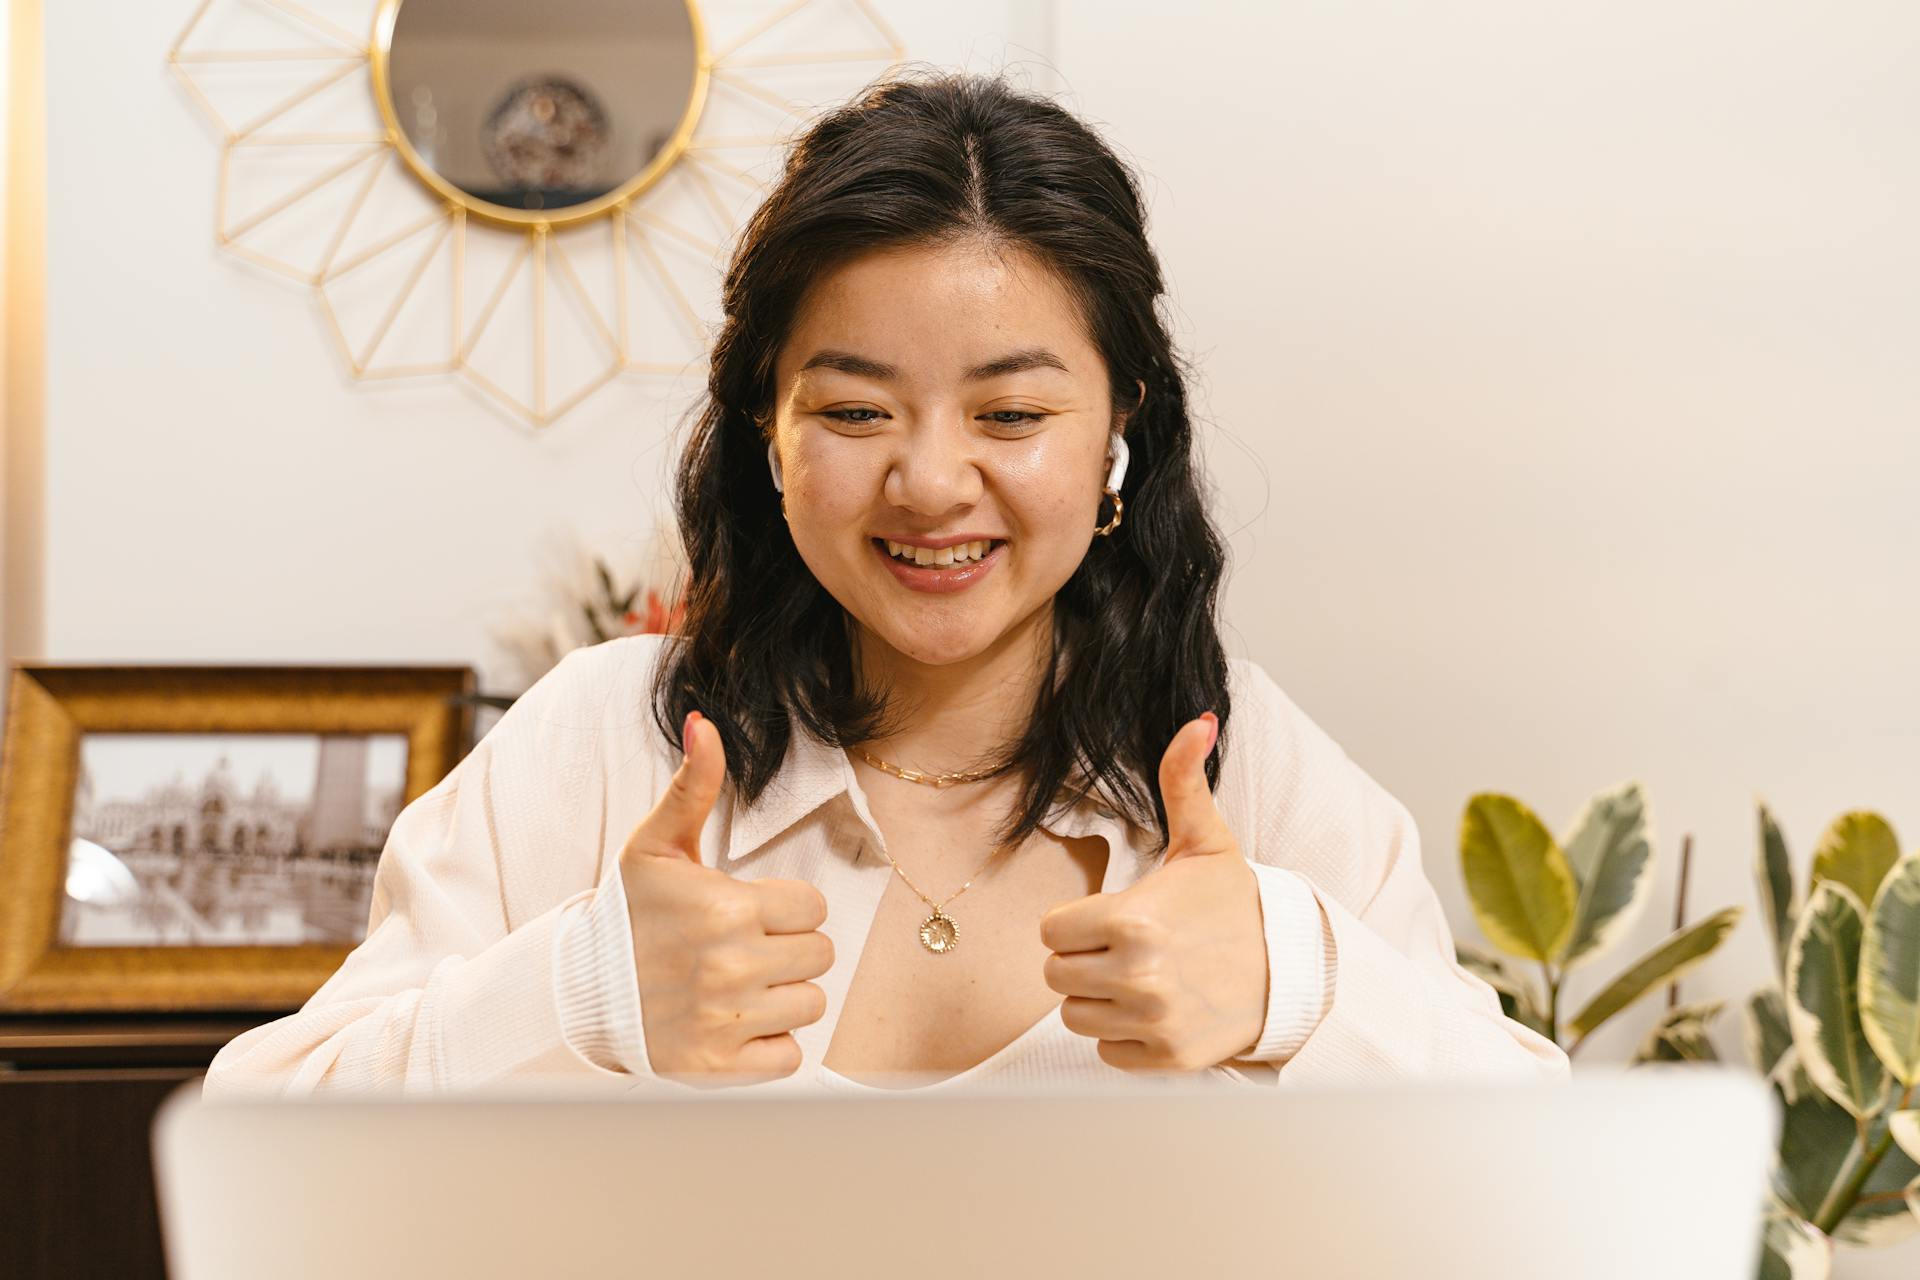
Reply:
x=722 y=963
x=1169 y=974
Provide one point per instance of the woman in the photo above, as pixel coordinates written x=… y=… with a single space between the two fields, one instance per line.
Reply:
x=949 y=631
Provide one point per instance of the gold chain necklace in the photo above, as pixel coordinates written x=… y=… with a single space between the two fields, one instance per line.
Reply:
x=938 y=932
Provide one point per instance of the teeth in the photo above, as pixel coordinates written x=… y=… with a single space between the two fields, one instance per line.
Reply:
x=962 y=554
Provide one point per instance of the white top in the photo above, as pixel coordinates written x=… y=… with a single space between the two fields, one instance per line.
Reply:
x=499 y=946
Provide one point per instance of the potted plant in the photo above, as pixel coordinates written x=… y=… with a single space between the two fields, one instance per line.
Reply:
x=1838 y=1034
x=1561 y=903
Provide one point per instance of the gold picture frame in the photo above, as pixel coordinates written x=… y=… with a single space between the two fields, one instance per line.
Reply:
x=53 y=708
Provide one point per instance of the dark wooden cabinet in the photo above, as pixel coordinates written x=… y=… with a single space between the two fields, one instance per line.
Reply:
x=77 y=1099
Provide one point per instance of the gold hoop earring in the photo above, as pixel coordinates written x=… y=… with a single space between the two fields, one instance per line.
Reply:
x=1114 y=523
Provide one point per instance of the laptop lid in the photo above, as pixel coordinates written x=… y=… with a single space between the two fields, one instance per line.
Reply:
x=1657 y=1172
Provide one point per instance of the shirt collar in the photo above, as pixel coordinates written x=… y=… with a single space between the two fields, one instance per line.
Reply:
x=814 y=772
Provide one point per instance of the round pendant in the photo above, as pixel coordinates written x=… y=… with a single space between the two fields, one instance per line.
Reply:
x=938 y=932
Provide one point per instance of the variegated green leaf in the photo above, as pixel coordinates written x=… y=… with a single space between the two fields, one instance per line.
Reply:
x=1818 y=1141
x=1792 y=1078
x=1518 y=882
x=1777 y=902
x=1792 y=1250
x=1879 y=1216
x=1815 y=1139
x=1681 y=1035
x=1823 y=999
x=1612 y=864
x=1765 y=1031
x=1890 y=972
x=1905 y=1127
x=1857 y=849
x=1665 y=963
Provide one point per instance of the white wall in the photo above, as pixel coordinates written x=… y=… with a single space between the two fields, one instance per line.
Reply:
x=1561 y=366
x=219 y=488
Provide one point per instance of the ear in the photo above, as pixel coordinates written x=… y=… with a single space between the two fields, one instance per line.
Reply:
x=1122 y=416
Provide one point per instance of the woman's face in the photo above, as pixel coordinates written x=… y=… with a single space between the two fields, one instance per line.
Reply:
x=930 y=394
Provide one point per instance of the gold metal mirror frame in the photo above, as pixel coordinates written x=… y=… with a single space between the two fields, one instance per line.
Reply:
x=381 y=53
x=399 y=255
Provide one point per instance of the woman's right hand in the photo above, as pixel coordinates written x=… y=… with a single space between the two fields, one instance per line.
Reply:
x=722 y=963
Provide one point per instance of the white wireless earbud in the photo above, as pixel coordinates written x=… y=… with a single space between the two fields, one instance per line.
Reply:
x=1118 y=452
x=773 y=461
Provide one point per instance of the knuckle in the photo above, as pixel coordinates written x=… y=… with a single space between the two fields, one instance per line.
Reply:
x=680 y=785
x=813 y=1005
x=1136 y=930
x=1143 y=969
x=712 y=1019
x=1049 y=932
x=734 y=913
x=786 y=1057
x=1187 y=1060
x=700 y=1060
x=721 y=970
x=1152 y=1000
x=1169 y=1054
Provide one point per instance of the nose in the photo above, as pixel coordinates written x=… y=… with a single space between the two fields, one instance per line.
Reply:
x=934 y=470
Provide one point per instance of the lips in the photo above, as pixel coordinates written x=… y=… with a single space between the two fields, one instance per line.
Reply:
x=936 y=581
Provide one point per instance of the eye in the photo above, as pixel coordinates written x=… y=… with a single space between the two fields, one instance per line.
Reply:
x=1012 y=417
x=847 y=415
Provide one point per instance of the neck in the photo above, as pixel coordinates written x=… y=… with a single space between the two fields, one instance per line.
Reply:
x=958 y=715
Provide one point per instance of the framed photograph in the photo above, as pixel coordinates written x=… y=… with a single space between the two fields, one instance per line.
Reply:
x=204 y=838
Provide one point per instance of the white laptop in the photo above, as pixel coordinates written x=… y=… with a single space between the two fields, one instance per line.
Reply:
x=1655 y=1173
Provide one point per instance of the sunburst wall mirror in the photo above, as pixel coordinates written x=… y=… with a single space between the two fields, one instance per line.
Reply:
x=533 y=198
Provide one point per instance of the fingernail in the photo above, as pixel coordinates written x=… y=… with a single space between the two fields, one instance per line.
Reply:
x=1213 y=730
x=686 y=732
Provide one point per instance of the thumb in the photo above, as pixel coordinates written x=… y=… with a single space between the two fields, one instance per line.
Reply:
x=672 y=829
x=1194 y=825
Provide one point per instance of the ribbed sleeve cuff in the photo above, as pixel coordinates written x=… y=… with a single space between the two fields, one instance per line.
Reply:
x=1300 y=963
x=1392 y=1018
x=498 y=1013
x=595 y=984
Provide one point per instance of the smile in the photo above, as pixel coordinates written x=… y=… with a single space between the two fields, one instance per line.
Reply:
x=935 y=578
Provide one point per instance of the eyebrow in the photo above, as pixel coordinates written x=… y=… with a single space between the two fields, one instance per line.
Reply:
x=861 y=366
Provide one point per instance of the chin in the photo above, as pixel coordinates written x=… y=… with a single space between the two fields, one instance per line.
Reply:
x=936 y=647
x=927 y=637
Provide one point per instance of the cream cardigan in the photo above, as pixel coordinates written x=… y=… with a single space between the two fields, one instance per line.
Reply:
x=499 y=950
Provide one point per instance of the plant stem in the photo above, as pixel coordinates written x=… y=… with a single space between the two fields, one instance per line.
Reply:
x=1881 y=1197
x=1840 y=1201
x=1553 y=1001
x=1680 y=907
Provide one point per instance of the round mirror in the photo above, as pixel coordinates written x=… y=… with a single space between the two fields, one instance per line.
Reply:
x=539 y=113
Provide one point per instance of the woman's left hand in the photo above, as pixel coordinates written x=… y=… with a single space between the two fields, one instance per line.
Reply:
x=1170 y=974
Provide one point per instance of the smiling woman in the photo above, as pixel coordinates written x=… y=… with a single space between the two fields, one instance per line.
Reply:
x=947 y=724
x=927 y=450
x=942 y=329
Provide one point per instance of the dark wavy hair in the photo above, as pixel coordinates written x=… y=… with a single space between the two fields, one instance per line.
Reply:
x=927 y=158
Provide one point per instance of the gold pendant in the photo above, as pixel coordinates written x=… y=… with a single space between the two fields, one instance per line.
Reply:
x=938 y=932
